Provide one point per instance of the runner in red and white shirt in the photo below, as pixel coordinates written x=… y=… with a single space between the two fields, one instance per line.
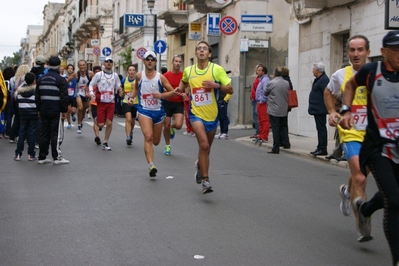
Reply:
x=108 y=84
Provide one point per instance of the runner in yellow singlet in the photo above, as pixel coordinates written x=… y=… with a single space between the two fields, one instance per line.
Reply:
x=358 y=49
x=204 y=79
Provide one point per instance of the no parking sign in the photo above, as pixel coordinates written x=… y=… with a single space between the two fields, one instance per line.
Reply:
x=140 y=52
x=228 y=25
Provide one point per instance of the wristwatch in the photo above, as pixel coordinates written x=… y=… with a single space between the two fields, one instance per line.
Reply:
x=344 y=109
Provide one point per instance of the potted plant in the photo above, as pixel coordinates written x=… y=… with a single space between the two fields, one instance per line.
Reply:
x=180 y=5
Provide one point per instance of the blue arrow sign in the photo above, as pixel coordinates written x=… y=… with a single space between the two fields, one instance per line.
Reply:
x=160 y=47
x=257 y=18
x=106 y=51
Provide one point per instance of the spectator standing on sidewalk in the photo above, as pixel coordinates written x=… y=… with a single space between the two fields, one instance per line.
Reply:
x=254 y=103
x=51 y=98
x=277 y=108
x=224 y=121
x=318 y=109
x=25 y=102
x=261 y=107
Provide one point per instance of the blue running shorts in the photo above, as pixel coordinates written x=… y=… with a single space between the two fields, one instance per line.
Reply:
x=351 y=148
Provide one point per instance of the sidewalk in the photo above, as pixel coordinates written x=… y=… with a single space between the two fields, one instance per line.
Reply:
x=300 y=146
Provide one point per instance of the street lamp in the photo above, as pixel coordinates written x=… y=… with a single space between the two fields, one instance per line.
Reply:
x=151 y=5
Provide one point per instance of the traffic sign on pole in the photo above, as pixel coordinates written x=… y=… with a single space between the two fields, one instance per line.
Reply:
x=140 y=52
x=107 y=51
x=228 y=25
x=160 y=47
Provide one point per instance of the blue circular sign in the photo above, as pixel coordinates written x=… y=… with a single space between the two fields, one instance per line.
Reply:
x=107 y=51
x=160 y=47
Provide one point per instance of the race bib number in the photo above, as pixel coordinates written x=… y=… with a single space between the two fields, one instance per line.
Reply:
x=359 y=113
x=127 y=96
x=81 y=90
x=389 y=128
x=151 y=103
x=71 y=91
x=202 y=96
x=107 y=97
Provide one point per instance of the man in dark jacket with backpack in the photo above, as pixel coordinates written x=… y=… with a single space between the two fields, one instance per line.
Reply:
x=318 y=109
x=51 y=99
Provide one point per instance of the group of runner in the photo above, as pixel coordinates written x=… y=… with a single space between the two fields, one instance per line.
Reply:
x=155 y=100
x=368 y=130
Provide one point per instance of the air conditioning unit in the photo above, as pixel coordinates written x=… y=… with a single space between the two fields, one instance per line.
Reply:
x=89 y=55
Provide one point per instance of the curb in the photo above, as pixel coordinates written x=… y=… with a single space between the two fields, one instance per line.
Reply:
x=293 y=151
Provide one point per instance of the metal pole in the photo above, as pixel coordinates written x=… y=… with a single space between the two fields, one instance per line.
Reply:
x=155 y=40
x=242 y=94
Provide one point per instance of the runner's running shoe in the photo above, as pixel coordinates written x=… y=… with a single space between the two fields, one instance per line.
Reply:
x=168 y=150
x=198 y=175
x=172 y=133
x=69 y=126
x=363 y=223
x=345 y=205
x=97 y=140
x=206 y=186
x=79 y=130
x=73 y=118
x=128 y=141
x=106 y=147
x=153 y=171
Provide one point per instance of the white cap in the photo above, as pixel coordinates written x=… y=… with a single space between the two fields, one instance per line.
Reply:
x=108 y=58
x=150 y=53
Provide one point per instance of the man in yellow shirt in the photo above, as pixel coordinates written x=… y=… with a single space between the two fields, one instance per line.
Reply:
x=205 y=79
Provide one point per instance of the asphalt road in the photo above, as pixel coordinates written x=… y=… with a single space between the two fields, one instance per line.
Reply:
x=103 y=209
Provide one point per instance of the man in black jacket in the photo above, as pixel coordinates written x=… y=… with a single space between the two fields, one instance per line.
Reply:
x=318 y=109
x=51 y=99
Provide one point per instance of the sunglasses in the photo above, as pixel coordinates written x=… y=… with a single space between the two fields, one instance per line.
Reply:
x=204 y=48
x=150 y=59
x=109 y=61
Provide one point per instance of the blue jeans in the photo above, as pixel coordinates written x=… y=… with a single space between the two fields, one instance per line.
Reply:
x=255 y=117
x=223 y=118
x=27 y=129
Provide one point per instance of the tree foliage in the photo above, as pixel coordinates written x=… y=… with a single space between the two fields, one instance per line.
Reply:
x=126 y=56
x=10 y=61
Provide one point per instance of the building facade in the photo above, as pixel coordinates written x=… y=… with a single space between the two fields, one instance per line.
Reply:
x=318 y=32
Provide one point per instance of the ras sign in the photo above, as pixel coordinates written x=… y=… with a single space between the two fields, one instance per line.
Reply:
x=134 y=20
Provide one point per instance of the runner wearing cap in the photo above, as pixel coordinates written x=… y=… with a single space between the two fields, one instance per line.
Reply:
x=107 y=83
x=150 y=88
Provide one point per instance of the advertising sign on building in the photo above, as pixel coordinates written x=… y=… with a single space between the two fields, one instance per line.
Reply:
x=134 y=20
x=392 y=15
x=195 y=31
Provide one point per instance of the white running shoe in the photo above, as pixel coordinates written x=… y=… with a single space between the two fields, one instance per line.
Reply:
x=44 y=161
x=61 y=161
x=106 y=147
x=217 y=136
x=345 y=205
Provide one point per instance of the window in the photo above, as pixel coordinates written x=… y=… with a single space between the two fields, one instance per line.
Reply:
x=345 y=38
x=183 y=39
